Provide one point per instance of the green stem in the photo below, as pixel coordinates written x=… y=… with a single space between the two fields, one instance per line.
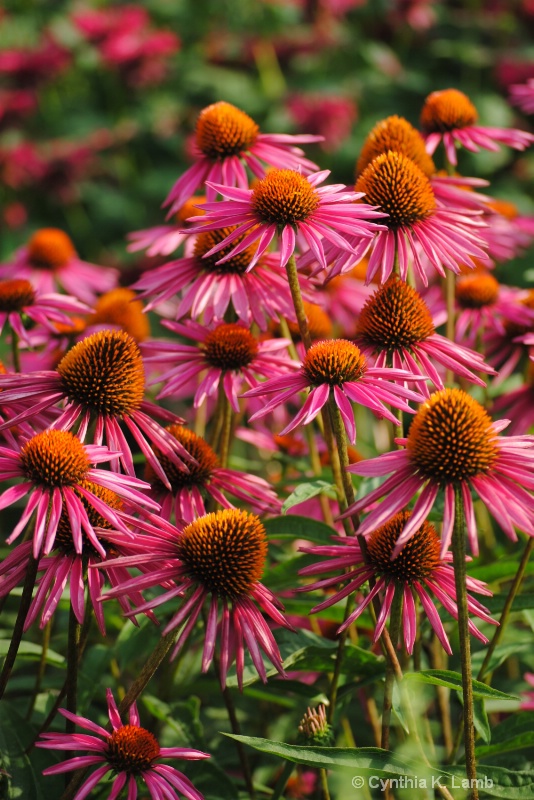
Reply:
x=135 y=690
x=280 y=784
x=324 y=784
x=25 y=602
x=298 y=303
x=450 y=294
x=236 y=728
x=73 y=648
x=458 y=551
x=394 y=629
x=483 y=674
x=315 y=460
x=63 y=691
x=15 y=352
x=226 y=430
x=41 y=669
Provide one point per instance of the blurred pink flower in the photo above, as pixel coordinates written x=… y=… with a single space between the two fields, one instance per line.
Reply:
x=450 y=116
x=331 y=116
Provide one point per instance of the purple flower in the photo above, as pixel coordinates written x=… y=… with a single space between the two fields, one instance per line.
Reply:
x=452 y=443
x=216 y=560
x=337 y=367
x=101 y=380
x=417 y=571
x=450 y=116
x=227 y=140
x=289 y=205
x=49 y=260
x=58 y=476
x=130 y=752
x=396 y=325
x=228 y=351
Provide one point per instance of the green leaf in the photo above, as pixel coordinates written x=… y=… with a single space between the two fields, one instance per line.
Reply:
x=523 y=602
x=501 y=653
x=499 y=570
x=33 y=652
x=24 y=781
x=294 y=527
x=499 y=782
x=304 y=650
x=515 y=733
x=453 y=680
x=481 y=720
x=371 y=760
x=305 y=491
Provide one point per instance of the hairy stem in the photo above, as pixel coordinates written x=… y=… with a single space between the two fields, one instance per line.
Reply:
x=73 y=647
x=298 y=303
x=458 y=551
x=394 y=629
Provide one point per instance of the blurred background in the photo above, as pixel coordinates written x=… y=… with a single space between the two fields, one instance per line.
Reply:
x=98 y=101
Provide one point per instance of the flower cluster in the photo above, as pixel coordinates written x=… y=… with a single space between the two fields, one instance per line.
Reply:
x=295 y=317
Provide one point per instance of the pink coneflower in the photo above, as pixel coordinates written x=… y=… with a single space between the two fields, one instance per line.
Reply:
x=484 y=305
x=66 y=568
x=289 y=205
x=208 y=288
x=506 y=349
x=57 y=474
x=396 y=327
x=226 y=141
x=518 y=404
x=218 y=559
x=337 y=368
x=206 y=478
x=331 y=116
x=453 y=443
x=228 y=351
x=49 y=260
x=418 y=571
x=522 y=96
x=419 y=224
x=162 y=240
x=18 y=297
x=450 y=116
x=129 y=752
x=101 y=380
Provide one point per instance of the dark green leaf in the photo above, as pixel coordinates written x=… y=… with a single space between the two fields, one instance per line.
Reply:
x=305 y=491
x=499 y=782
x=294 y=527
x=453 y=680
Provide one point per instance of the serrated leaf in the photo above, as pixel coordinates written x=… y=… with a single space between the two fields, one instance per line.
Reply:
x=453 y=680
x=295 y=527
x=305 y=491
